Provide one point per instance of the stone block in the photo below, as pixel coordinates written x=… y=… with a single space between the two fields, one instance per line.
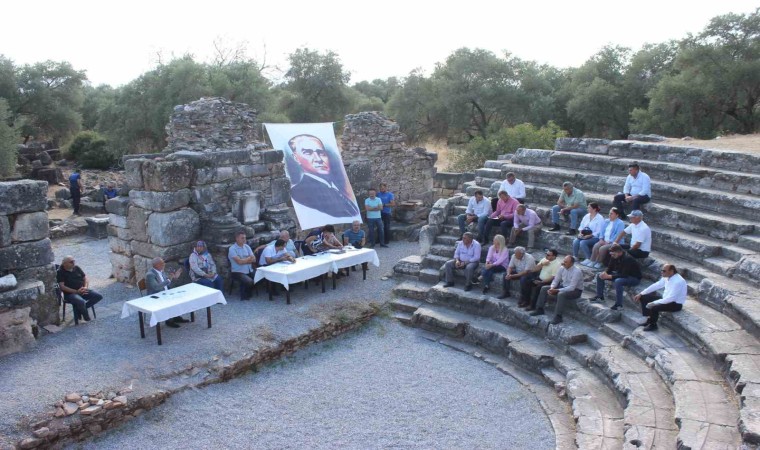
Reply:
x=118 y=220
x=118 y=206
x=45 y=308
x=24 y=295
x=427 y=238
x=141 y=266
x=280 y=191
x=123 y=268
x=8 y=283
x=121 y=233
x=90 y=207
x=30 y=227
x=120 y=245
x=15 y=331
x=5 y=231
x=22 y=196
x=97 y=227
x=26 y=254
x=246 y=206
x=133 y=172
x=166 y=175
x=230 y=157
x=169 y=253
x=160 y=201
x=137 y=219
x=253 y=170
x=171 y=228
x=360 y=174
x=63 y=194
x=271 y=156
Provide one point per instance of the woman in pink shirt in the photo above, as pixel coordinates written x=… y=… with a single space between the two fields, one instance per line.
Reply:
x=496 y=261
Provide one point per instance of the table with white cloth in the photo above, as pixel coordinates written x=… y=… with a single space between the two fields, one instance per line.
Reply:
x=171 y=303
x=314 y=266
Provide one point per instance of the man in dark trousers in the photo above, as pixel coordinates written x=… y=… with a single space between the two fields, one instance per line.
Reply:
x=156 y=280
x=622 y=271
x=75 y=287
x=75 y=186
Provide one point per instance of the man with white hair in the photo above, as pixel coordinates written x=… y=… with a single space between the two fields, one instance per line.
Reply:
x=467 y=257
x=290 y=246
x=519 y=268
x=157 y=280
x=567 y=285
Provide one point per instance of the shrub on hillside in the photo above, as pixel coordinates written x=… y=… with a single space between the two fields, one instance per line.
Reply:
x=91 y=151
x=8 y=142
x=505 y=140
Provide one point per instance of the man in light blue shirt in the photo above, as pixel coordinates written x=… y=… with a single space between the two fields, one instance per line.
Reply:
x=478 y=209
x=374 y=207
x=241 y=257
x=467 y=257
x=636 y=192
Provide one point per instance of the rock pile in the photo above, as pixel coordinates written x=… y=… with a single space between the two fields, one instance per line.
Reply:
x=36 y=161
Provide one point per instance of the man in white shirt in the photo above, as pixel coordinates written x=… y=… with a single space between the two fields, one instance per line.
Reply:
x=636 y=192
x=567 y=285
x=641 y=236
x=290 y=246
x=478 y=209
x=514 y=187
x=275 y=253
x=520 y=267
x=672 y=298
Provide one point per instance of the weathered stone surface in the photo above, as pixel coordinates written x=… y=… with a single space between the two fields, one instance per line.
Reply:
x=212 y=123
x=120 y=245
x=646 y=137
x=160 y=201
x=118 y=221
x=63 y=194
x=8 y=283
x=137 y=219
x=5 y=231
x=118 y=206
x=280 y=191
x=166 y=229
x=749 y=269
x=170 y=253
x=122 y=268
x=26 y=254
x=121 y=233
x=585 y=145
x=97 y=227
x=70 y=408
x=166 y=176
x=15 y=331
x=133 y=172
x=427 y=238
x=247 y=206
x=22 y=196
x=73 y=397
x=410 y=265
x=25 y=293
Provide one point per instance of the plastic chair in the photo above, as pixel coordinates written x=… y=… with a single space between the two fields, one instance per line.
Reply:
x=62 y=302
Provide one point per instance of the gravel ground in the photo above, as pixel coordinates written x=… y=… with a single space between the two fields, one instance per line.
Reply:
x=381 y=387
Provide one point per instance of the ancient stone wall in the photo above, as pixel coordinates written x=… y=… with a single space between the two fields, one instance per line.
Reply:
x=211 y=123
x=375 y=151
x=27 y=275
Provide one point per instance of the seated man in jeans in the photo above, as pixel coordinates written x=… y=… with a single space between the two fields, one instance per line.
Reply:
x=623 y=270
x=571 y=203
x=567 y=285
x=672 y=298
x=641 y=236
x=467 y=257
x=75 y=287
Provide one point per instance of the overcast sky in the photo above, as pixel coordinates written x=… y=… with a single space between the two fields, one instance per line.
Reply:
x=114 y=42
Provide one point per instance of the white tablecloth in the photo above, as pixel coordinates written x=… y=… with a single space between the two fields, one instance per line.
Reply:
x=308 y=267
x=174 y=302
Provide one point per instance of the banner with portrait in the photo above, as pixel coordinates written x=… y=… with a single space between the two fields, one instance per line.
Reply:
x=319 y=187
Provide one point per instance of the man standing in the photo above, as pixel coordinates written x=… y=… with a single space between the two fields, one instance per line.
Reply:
x=519 y=268
x=542 y=275
x=157 y=280
x=636 y=192
x=374 y=206
x=75 y=287
x=75 y=186
x=526 y=221
x=571 y=203
x=478 y=209
x=672 y=299
x=389 y=201
x=641 y=236
x=514 y=187
x=622 y=271
x=318 y=189
x=467 y=257
x=241 y=257
x=567 y=285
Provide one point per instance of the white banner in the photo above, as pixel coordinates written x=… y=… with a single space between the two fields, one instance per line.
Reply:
x=319 y=186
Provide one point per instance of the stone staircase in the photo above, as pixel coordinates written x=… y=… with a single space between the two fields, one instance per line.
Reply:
x=693 y=384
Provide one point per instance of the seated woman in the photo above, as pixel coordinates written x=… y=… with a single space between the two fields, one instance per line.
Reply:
x=589 y=231
x=610 y=229
x=203 y=269
x=496 y=261
x=326 y=240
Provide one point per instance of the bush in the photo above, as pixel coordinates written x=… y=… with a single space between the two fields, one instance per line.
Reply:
x=91 y=151
x=506 y=140
x=8 y=142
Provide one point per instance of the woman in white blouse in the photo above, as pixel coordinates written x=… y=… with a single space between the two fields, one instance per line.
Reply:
x=590 y=231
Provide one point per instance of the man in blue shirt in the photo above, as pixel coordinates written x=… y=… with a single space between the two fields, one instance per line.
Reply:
x=373 y=206
x=636 y=192
x=75 y=186
x=355 y=235
x=389 y=201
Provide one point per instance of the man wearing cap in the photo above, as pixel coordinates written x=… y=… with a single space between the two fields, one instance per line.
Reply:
x=622 y=271
x=672 y=298
x=636 y=192
x=641 y=236
x=76 y=288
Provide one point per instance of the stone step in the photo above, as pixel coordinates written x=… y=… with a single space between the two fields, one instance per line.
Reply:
x=597 y=411
x=405 y=304
x=403 y=317
x=409 y=266
x=641 y=151
x=492 y=174
x=446 y=240
x=751 y=242
x=414 y=290
x=434 y=261
x=430 y=276
x=495 y=164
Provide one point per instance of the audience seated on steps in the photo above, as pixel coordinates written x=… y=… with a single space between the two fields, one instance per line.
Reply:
x=641 y=236
x=478 y=210
x=567 y=285
x=520 y=266
x=203 y=269
x=514 y=187
x=590 y=232
x=503 y=216
x=611 y=228
x=541 y=275
x=672 y=298
x=622 y=271
x=496 y=261
x=571 y=204
x=467 y=257
x=636 y=192
x=526 y=221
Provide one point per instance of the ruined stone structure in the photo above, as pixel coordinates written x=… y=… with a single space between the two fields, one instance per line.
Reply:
x=37 y=161
x=27 y=275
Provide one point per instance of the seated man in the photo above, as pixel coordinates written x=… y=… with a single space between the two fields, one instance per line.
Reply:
x=324 y=241
x=75 y=287
x=504 y=216
x=641 y=236
x=275 y=253
x=110 y=192
x=514 y=187
x=571 y=203
x=467 y=257
x=672 y=299
x=526 y=221
x=567 y=285
x=542 y=275
x=478 y=209
x=241 y=257
x=636 y=191
x=622 y=270
x=157 y=280
x=356 y=238
x=203 y=269
x=290 y=246
x=519 y=268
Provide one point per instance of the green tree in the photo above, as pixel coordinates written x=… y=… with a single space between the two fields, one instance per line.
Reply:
x=317 y=83
x=91 y=151
x=378 y=88
x=9 y=137
x=418 y=108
